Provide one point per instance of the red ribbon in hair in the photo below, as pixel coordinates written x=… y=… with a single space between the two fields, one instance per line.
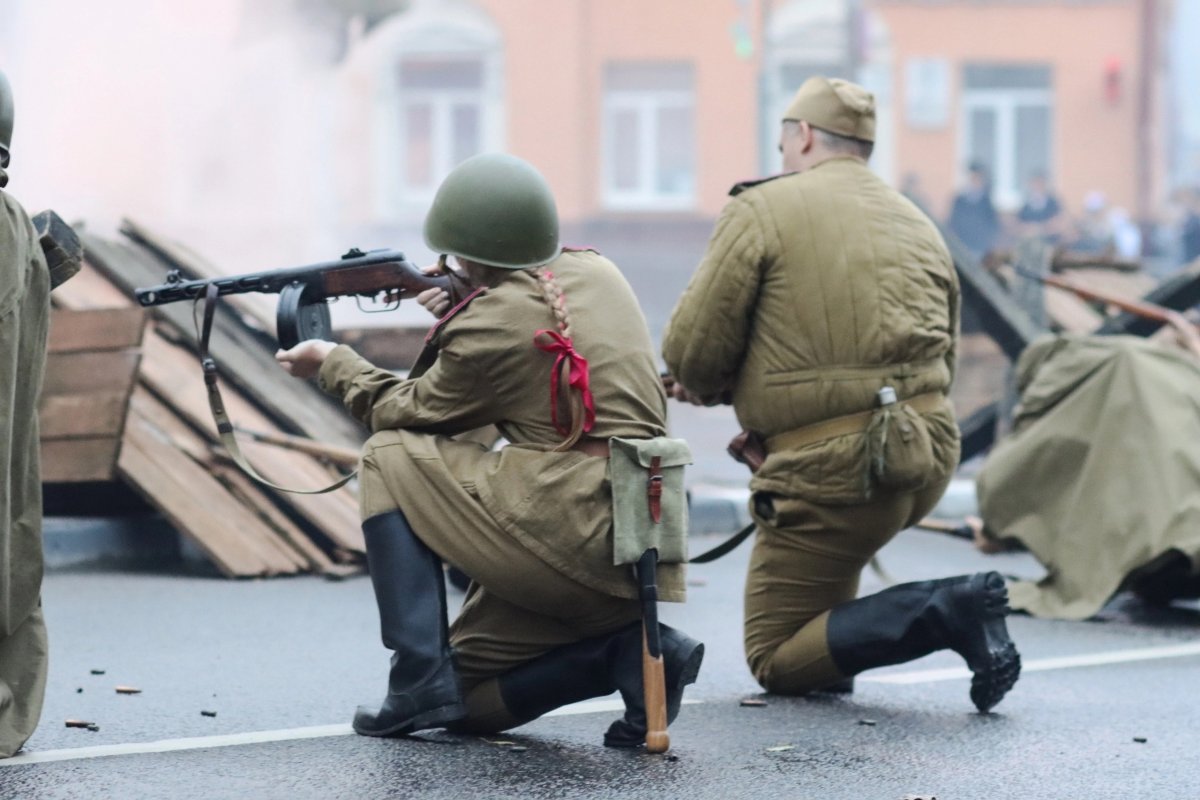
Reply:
x=554 y=342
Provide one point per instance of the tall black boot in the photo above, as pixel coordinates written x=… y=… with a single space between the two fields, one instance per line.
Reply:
x=596 y=667
x=423 y=689
x=681 y=664
x=965 y=614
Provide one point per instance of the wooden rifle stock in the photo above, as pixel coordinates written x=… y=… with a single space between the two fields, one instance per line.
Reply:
x=1186 y=331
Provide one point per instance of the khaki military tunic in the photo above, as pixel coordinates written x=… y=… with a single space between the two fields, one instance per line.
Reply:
x=24 y=314
x=532 y=527
x=817 y=289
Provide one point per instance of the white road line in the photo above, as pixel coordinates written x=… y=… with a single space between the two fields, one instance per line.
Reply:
x=1045 y=664
x=254 y=737
x=587 y=707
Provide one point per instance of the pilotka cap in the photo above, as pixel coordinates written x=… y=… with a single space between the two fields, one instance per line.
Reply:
x=835 y=105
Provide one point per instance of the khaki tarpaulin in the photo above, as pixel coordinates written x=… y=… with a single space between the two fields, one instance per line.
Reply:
x=1101 y=473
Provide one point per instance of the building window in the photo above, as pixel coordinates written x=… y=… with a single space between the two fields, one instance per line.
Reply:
x=649 y=136
x=441 y=110
x=1007 y=125
x=436 y=83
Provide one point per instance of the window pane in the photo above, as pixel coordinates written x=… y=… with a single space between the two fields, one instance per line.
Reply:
x=792 y=75
x=1006 y=76
x=466 y=132
x=1032 y=142
x=623 y=147
x=981 y=138
x=648 y=76
x=675 y=152
x=418 y=140
x=441 y=73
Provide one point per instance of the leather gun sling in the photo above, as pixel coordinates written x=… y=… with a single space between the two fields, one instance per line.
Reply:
x=217 y=406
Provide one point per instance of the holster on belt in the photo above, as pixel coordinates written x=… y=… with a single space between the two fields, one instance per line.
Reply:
x=748 y=448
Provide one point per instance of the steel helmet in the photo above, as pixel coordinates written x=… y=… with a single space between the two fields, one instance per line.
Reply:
x=494 y=209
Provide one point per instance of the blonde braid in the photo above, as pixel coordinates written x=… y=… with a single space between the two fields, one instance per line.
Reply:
x=557 y=300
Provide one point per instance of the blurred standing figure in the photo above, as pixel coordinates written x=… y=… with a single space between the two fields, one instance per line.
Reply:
x=24 y=315
x=973 y=218
x=1094 y=232
x=1190 y=234
x=827 y=308
x=1040 y=215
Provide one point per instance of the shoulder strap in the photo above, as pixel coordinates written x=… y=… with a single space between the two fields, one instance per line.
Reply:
x=738 y=188
x=217 y=406
x=724 y=547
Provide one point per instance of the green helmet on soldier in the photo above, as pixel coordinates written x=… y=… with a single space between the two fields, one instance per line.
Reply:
x=494 y=209
x=6 y=119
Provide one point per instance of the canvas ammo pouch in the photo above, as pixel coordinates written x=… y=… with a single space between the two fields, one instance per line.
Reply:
x=899 y=449
x=649 y=498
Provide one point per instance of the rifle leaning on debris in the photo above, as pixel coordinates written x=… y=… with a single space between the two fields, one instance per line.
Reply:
x=1166 y=316
x=303 y=313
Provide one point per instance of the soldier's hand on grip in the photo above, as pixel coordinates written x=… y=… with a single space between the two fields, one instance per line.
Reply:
x=305 y=359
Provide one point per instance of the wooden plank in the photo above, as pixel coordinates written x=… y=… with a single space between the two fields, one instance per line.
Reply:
x=97 y=329
x=193 y=501
x=1070 y=312
x=247 y=359
x=1001 y=316
x=84 y=373
x=172 y=373
x=79 y=460
x=266 y=541
x=83 y=416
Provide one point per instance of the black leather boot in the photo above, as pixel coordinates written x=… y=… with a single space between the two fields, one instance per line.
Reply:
x=596 y=667
x=423 y=689
x=965 y=614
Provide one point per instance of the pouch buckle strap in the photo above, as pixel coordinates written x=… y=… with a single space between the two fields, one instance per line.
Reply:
x=844 y=425
x=654 y=489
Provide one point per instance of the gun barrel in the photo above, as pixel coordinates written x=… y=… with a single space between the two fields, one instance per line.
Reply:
x=273 y=281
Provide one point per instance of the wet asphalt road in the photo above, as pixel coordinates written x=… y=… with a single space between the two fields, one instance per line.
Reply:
x=289 y=654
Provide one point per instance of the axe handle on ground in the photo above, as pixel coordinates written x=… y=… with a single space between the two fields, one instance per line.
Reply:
x=654 y=682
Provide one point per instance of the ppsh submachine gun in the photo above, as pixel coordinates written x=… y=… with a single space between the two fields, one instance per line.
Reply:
x=384 y=276
x=305 y=292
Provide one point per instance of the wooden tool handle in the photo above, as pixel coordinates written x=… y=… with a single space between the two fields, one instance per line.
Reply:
x=654 y=684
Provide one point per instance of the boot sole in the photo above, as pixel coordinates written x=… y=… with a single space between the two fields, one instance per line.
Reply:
x=991 y=681
x=438 y=717
x=989 y=686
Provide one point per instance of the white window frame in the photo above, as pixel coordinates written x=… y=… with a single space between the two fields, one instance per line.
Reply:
x=1007 y=186
x=429 y=29
x=646 y=104
x=442 y=103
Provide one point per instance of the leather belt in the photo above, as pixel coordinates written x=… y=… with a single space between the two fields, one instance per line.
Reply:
x=850 y=423
x=592 y=447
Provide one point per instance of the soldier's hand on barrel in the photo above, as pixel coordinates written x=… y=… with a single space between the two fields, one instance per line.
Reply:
x=305 y=359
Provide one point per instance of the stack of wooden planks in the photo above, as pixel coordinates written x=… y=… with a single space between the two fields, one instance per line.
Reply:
x=133 y=408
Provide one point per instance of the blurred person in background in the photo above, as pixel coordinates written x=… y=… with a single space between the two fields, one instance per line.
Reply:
x=1040 y=215
x=826 y=309
x=973 y=218
x=24 y=317
x=1190 y=231
x=1094 y=231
